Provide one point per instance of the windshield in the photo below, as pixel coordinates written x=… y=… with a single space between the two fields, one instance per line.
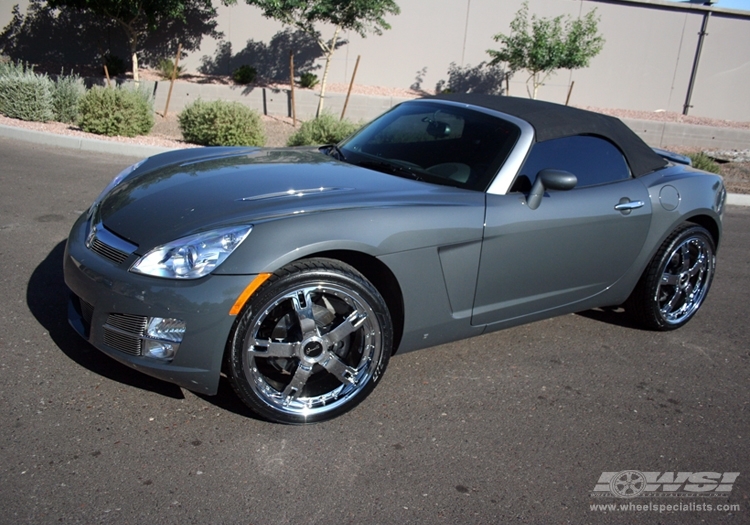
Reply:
x=434 y=142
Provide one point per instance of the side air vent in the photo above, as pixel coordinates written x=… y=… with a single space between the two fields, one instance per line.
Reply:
x=87 y=310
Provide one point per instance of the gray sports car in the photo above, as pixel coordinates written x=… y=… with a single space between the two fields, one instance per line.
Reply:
x=299 y=272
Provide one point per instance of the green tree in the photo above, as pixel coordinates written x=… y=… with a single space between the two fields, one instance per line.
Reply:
x=139 y=18
x=541 y=46
x=361 y=16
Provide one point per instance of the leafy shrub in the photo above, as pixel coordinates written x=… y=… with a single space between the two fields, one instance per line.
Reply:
x=118 y=111
x=24 y=94
x=326 y=129
x=9 y=68
x=66 y=95
x=166 y=68
x=308 y=80
x=244 y=74
x=221 y=123
x=703 y=162
x=116 y=66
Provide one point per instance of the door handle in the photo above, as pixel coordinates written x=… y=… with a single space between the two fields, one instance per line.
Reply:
x=628 y=206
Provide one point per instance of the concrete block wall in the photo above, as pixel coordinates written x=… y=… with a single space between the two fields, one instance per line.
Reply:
x=269 y=101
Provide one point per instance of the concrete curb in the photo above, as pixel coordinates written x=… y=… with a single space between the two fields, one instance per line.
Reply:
x=136 y=150
x=81 y=143
x=738 y=199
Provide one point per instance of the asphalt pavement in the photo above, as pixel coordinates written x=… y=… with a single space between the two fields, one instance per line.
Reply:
x=516 y=426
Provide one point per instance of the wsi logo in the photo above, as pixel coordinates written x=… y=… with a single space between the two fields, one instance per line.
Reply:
x=634 y=483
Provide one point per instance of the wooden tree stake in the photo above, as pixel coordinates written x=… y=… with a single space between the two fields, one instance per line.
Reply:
x=174 y=76
x=291 y=84
x=351 y=84
x=570 y=91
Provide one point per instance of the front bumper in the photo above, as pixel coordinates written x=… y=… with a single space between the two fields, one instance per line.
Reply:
x=103 y=289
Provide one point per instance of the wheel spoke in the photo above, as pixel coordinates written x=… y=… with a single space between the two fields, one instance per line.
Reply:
x=350 y=324
x=670 y=306
x=689 y=293
x=263 y=348
x=699 y=266
x=295 y=386
x=302 y=302
x=344 y=373
x=670 y=279
x=685 y=256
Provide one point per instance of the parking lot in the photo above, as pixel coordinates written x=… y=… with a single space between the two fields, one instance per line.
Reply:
x=515 y=426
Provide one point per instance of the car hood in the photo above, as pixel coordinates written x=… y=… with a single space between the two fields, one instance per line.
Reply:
x=180 y=193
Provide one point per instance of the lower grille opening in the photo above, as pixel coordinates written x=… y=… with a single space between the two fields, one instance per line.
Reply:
x=123 y=332
x=122 y=342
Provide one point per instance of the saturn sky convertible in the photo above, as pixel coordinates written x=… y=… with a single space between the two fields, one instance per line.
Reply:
x=298 y=272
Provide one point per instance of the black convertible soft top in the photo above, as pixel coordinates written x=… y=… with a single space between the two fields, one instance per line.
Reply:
x=551 y=121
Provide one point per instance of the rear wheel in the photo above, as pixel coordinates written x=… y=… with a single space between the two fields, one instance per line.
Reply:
x=677 y=280
x=311 y=344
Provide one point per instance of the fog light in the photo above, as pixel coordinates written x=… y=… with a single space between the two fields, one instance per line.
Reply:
x=159 y=349
x=162 y=338
x=166 y=329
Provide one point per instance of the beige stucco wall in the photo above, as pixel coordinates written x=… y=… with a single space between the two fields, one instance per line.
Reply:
x=723 y=78
x=645 y=64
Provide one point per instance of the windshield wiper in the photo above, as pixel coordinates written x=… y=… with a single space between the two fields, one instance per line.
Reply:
x=395 y=168
x=334 y=151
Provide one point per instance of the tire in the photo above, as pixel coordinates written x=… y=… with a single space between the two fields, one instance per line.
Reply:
x=676 y=281
x=311 y=344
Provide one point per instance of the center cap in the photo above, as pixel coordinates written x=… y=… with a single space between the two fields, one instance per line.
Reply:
x=684 y=279
x=313 y=349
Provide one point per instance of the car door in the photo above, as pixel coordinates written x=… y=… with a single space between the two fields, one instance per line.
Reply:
x=575 y=245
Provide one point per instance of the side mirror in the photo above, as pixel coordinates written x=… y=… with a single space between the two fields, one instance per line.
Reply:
x=549 y=179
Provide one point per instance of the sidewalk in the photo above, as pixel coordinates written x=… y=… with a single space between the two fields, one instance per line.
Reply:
x=139 y=150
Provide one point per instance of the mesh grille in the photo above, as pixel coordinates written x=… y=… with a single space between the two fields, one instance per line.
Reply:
x=133 y=324
x=122 y=342
x=123 y=332
x=108 y=252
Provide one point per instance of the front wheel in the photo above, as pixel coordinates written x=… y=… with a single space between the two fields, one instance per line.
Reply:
x=311 y=344
x=676 y=282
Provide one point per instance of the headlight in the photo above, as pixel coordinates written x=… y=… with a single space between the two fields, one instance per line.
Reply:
x=117 y=180
x=192 y=257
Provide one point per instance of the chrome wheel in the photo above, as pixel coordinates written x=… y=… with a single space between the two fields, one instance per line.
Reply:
x=685 y=279
x=676 y=282
x=312 y=345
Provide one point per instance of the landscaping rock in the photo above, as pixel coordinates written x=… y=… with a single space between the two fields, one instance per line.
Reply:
x=729 y=155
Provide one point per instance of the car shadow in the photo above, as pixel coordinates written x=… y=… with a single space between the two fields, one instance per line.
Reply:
x=615 y=315
x=226 y=399
x=47 y=297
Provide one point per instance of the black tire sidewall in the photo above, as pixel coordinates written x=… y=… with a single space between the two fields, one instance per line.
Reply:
x=296 y=275
x=652 y=317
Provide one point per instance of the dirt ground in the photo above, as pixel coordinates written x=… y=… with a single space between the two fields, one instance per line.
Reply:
x=736 y=176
